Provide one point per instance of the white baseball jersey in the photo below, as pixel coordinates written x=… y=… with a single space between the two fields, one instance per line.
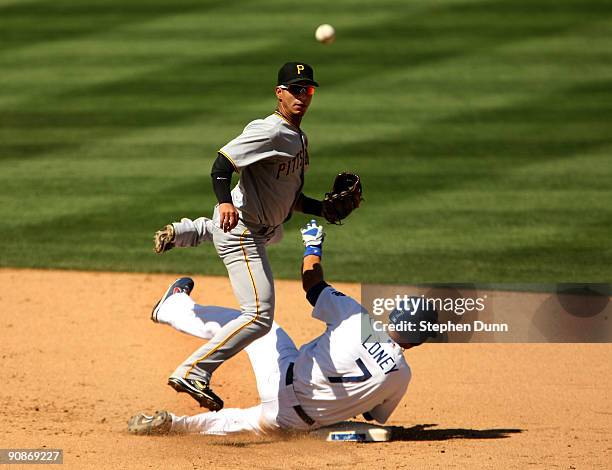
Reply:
x=271 y=156
x=341 y=374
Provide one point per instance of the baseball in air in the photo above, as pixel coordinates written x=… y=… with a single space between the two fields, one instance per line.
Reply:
x=325 y=34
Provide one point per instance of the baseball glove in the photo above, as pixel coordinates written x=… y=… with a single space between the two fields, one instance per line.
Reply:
x=343 y=199
x=164 y=239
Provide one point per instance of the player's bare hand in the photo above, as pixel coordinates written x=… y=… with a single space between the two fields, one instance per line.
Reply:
x=228 y=216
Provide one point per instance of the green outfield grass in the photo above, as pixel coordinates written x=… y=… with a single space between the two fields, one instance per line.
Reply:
x=482 y=131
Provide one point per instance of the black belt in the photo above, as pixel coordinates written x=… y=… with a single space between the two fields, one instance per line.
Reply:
x=298 y=409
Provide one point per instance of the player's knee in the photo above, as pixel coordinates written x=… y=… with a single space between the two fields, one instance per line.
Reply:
x=262 y=328
x=260 y=319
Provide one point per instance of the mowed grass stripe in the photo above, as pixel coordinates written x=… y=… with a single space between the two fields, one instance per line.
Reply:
x=511 y=148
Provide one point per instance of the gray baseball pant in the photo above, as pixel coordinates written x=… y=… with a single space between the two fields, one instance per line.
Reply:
x=244 y=253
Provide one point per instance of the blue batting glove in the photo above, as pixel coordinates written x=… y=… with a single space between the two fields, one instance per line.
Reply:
x=313 y=236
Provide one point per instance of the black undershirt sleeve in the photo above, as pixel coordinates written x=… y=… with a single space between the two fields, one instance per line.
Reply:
x=221 y=174
x=315 y=291
x=311 y=206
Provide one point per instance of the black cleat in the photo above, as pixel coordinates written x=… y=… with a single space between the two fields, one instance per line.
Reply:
x=200 y=391
x=183 y=284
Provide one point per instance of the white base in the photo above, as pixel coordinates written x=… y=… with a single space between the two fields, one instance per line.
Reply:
x=353 y=431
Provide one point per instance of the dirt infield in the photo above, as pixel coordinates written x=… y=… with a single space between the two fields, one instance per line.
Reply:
x=79 y=356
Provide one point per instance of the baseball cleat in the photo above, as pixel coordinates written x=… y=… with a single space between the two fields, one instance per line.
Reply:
x=159 y=423
x=200 y=391
x=183 y=284
x=164 y=239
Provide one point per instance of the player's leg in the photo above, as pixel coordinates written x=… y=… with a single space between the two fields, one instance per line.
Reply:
x=251 y=276
x=269 y=355
x=189 y=232
x=223 y=422
x=176 y=301
x=226 y=421
x=183 y=314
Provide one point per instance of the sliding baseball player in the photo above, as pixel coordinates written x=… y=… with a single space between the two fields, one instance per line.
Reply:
x=338 y=375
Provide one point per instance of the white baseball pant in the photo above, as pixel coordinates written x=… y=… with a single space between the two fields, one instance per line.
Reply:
x=270 y=357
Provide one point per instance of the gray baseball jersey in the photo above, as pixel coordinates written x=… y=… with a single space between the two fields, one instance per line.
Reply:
x=271 y=156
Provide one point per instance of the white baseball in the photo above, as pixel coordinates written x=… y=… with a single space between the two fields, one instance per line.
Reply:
x=325 y=34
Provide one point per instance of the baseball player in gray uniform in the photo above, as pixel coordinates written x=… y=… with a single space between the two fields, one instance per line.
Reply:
x=271 y=157
x=350 y=369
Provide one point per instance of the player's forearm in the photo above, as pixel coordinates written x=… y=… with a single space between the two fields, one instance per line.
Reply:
x=221 y=174
x=312 y=272
x=308 y=205
x=312 y=278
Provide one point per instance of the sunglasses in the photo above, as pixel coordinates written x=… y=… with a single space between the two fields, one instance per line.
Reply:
x=298 y=90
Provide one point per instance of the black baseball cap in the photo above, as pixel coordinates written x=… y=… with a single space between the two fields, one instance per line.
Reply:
x=296 y=72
